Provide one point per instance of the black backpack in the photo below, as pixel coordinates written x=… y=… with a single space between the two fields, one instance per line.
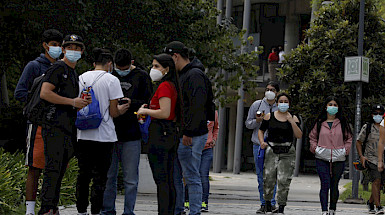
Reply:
x=35 y=108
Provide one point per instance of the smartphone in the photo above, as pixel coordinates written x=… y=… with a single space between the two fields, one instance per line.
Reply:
x=123 y=101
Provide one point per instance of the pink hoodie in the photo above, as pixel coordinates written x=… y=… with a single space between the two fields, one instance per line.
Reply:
x=213 y=127
x=330 y=138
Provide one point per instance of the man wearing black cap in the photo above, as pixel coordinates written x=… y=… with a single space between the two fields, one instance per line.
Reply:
x=198 y=108
x=60 y=91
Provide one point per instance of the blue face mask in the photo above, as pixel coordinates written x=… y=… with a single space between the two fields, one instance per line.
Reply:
x=377 y=118
x=122 y=73
x=54 y=51
x=283 y=107
x=332 y=110
x=73 y=56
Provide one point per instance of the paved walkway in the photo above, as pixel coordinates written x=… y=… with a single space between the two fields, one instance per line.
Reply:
x=237 y=195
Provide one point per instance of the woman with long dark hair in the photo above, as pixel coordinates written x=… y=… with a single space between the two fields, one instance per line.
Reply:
x=330 y=141
x=163 y=138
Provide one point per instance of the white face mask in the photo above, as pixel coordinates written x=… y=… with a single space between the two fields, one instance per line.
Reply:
x=270 y=95
x=156 y=75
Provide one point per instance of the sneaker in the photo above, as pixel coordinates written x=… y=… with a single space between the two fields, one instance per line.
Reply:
x=332 y=212
x=205 y=207
x=325 y=213
x=261 y=210
x=274 y=209
x=186 y=206
x=370 y=207
x=380 y=210
x=83 y=213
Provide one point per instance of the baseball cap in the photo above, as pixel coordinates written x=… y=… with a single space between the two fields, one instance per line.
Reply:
x=378 y=107
x=73 y=39
x=175 y=47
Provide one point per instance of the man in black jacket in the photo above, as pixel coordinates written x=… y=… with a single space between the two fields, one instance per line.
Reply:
x=198 y=108
x=137 y=90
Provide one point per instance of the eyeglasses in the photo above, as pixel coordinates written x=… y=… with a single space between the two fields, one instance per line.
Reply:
x=273 y=90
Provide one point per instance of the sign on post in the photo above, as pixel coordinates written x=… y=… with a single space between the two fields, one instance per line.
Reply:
x=357 y=69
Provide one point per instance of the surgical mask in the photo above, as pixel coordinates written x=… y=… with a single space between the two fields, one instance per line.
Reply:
x=123 y=73
x=377 y=118
x=156 y=75
x=283 y=107
x=332 y=110
x=73 y=56
x=270 y=95
x=54 y=51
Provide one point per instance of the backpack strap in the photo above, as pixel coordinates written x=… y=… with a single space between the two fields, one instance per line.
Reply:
x=368 y=130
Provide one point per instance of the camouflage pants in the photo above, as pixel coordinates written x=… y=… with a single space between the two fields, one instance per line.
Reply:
x=278 y=168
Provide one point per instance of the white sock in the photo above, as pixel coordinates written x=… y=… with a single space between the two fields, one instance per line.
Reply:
x=30 y=205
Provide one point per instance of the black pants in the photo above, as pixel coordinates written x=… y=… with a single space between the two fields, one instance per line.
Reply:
x=329 y=181
x=58 y=150
x=94 y=159
x=163 y=147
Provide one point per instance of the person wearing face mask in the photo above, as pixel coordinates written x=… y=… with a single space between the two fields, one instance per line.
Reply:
x=137 y=90
x=165 y=111
x=330 y=141
x=367 y=149
x=35 y=146
x=280 y=151
x=59 y=91
x=94 y=148
x=254 y=119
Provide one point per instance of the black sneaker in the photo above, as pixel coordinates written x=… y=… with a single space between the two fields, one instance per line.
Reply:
x=261 y=210
x=205 y=207
x=371 y=207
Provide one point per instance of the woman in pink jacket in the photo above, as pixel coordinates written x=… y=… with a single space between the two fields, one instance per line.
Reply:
x=330 y=141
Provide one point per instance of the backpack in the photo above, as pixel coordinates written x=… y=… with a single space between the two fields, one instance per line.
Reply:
x=35 y=107
x=90 y=117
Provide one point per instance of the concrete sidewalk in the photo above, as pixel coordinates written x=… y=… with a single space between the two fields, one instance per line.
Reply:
x=238 y=194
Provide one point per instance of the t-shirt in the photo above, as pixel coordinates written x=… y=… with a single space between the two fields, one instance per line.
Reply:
x=105 y=89
x=165 y=89
x=65 y=80
x=273 y=57
x=371 y=145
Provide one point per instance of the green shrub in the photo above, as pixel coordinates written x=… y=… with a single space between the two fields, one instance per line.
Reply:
x=12 y=181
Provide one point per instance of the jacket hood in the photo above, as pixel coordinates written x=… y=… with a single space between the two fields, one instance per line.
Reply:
x=43 y=59
x=195 y=63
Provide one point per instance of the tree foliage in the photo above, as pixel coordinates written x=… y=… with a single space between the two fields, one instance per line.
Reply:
x=143 y=26
x=316 y=70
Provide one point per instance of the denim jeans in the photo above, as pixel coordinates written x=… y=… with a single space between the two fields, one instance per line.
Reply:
x=259 y=173
x=206 y=159
x=329 y=181
x=190 y=161
x=128 y=154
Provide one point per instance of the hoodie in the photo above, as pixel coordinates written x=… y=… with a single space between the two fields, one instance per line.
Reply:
x=33 y=70
x=197 y=97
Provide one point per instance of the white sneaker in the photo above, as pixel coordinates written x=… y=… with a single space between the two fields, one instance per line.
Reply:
x=332 y=212
x=325 y=213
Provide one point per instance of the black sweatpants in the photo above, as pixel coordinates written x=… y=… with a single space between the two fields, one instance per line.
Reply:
x=58 y=150
x=163 y=147
x=94 y=159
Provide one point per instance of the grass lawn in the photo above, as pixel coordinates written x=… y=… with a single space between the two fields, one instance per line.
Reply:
x=361 y=194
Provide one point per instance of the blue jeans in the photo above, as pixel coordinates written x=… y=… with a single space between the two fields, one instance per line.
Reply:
x=329 y=181
x=206 y=159
x=259 y=173
x=190 y=160
x=128 y=154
